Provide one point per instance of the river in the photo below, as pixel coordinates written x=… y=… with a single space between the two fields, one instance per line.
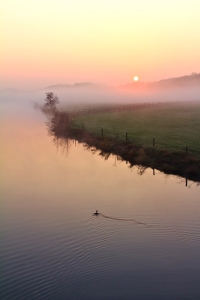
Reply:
x=144 y=244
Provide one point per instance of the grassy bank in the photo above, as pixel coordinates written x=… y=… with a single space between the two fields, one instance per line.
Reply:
x=169 y=161
x=174 y=126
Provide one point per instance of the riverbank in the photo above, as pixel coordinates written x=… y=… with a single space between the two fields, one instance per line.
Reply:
x=169 y=162
x=182 y=163
x=171 y=127
x=174 y=162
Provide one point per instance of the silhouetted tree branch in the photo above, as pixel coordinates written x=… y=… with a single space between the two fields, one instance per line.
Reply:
x=51 y=101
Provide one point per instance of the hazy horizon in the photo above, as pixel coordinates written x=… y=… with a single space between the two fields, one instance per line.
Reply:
x=100 y=149
x=187 y=80
x=108 y=42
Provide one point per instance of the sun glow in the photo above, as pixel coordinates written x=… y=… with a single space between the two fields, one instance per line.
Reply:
x=90 y=41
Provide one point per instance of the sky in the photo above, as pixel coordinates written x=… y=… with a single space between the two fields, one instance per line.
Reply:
x=108 y=41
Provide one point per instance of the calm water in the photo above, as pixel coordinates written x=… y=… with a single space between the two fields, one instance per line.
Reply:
x=52 y=247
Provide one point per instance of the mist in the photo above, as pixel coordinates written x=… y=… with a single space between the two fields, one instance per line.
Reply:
x=75 y=98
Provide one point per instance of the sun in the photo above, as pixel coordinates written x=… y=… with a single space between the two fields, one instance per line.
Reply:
x=135 y=78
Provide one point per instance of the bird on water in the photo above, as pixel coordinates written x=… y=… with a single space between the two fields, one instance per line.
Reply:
x=96 y=213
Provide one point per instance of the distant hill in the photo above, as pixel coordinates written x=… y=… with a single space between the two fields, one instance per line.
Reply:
x=187 y=80
x=72 y=86
x=192 y=80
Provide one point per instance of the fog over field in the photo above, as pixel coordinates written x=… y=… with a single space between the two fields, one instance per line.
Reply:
x=185 y=88
x=73 y=98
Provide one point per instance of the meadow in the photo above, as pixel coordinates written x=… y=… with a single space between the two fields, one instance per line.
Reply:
x=174 y=127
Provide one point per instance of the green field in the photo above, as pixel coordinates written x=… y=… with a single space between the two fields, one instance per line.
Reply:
x=174 y=126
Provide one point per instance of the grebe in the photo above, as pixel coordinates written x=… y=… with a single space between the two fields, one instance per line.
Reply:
x=96 y=213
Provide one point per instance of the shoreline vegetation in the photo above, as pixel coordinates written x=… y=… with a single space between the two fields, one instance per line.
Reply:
x=62 y=124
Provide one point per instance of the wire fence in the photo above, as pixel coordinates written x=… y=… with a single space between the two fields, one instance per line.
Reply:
x=118 y=108
x=155 y=140
x=143 y=141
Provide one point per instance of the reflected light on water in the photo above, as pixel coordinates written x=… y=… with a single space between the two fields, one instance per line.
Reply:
x=52 y=245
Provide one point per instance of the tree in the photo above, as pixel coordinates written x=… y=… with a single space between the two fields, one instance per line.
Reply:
x=51 y=101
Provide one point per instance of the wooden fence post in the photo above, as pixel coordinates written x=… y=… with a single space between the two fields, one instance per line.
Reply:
x=101 y=131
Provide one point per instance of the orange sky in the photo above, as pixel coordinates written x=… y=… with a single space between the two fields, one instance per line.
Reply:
x=108 y=41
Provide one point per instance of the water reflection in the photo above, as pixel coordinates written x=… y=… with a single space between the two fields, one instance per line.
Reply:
x=53 y=248
x=60 y=125
x=64 y=144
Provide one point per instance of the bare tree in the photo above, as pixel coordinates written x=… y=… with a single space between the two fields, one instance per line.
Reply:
x=51 y=101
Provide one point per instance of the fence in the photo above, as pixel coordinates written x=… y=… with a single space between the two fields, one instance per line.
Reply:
x=143 y=141
x=155 y=139
x=118 y=108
